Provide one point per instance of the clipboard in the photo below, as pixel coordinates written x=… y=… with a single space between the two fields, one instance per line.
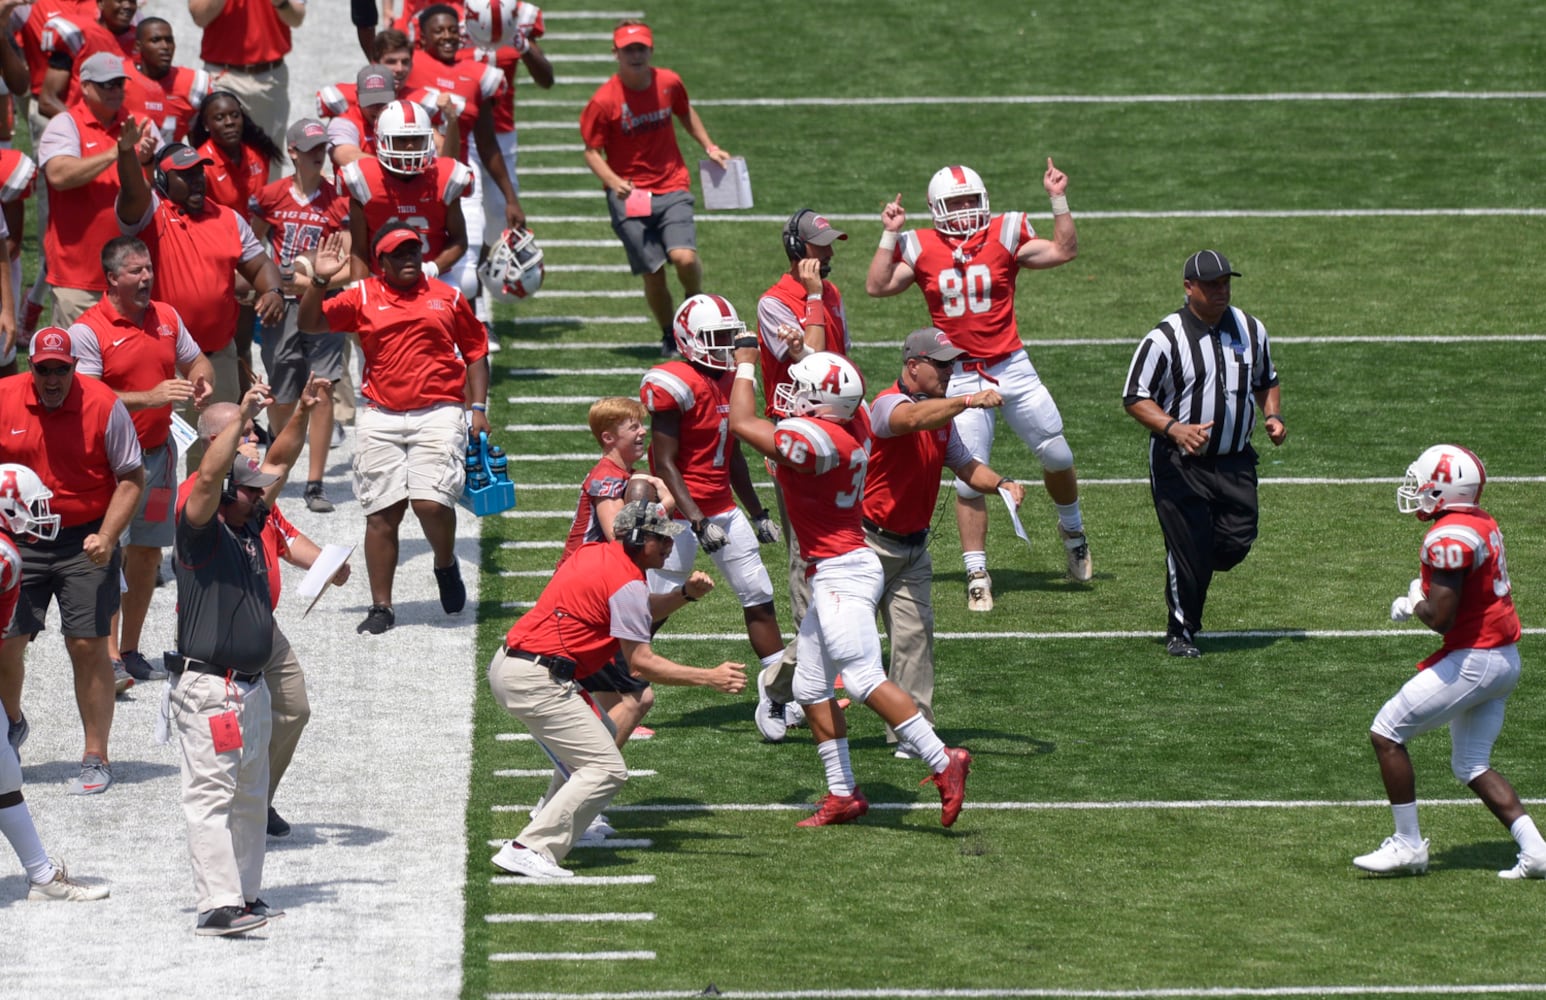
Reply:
x=725 y=187
x=314 y=583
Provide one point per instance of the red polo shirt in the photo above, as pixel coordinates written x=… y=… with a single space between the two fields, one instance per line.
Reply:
x=134 y=357
x=231 y=181
x=82 y=219
x=245 y=33
x=70 y=448
x=595 y=598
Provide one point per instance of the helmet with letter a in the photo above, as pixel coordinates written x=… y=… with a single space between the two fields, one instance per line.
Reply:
x=705 y=330
x=24 y=511
x=821 y=384
x=514 y=268
x=1445 y=477
x=949 y=184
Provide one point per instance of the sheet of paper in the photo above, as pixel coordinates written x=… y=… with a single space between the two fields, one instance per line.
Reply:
x=1014 y=515
x=316 y=579
x=638 y=204
x=725 y=187
x=183 y=434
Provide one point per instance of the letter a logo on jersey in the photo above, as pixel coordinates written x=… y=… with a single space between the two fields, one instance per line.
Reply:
x=1441 y=473
x=833 y=382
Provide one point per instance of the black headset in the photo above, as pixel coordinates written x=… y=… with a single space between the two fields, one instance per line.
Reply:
x=794 y=246
x=158 y=178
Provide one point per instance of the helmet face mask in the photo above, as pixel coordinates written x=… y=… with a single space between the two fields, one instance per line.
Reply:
x=823 y=385
x=24 y=510
x=1445 y=477
x=514 y=268
x=705 y=328
x=950 y=183
x=405 y=142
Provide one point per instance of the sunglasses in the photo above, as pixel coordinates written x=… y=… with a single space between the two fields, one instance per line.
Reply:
x=53 y=371
x=939 y=366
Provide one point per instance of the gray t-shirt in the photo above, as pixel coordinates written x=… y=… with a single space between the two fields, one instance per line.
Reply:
x=223 y=612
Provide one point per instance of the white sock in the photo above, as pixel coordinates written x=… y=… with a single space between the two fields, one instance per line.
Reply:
x=1406 y=823
x=1527 y=836
x=975 y=561
x=840 y=774
x=1069 y=517
x=921 y=735
x=16 y=824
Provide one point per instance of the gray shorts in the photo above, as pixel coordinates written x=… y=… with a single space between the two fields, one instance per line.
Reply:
x=153 y=524
x=290 y=356
x=646 y=239
x=88 y=595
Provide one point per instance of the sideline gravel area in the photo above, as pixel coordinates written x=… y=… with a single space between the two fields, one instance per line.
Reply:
x=372 y=877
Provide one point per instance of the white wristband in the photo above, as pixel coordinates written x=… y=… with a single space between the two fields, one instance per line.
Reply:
x=746 y=370
x=813 y=298
x=430 y=269
x=480 y=407
x=1059 y=204
x=888 y=240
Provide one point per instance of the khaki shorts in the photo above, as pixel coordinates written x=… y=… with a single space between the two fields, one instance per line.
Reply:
x=409 y=455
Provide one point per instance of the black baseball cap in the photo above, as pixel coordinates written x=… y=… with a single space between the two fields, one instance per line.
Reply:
x=1207 y=265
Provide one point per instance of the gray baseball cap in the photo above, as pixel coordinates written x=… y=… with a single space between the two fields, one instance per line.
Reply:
x=932 y=344
x=102 y=67
x=306 y=134
x=642 y=515
x=374 y=85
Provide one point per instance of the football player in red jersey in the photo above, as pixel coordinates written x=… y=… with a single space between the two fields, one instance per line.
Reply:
x=1464 y=594
x=966 y=267
x=168 y=95
x=819 y=453
x=694 y=453
x=24 y=512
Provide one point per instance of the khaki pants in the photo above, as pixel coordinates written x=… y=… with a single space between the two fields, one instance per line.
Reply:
x=226 y=391
x=563 y=722
x=224 y=795
x=266 y=96
x=69 y=303
x=290 y=709
x=907 y=607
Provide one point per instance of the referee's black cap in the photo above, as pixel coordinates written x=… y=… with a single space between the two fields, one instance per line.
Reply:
x=1207 y=265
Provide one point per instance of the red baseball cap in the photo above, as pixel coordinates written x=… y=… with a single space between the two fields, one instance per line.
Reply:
x=394 y=239
x=51 y=344
x=632 y=34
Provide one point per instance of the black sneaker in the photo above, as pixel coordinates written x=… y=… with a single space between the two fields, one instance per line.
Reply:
x=140 y=668
x=317 y=501
x=1180 y=645
x=453 y=592
x=377 y=620
x=223 y=920
x=668 y=344
x=258 y=908
x=277 y=827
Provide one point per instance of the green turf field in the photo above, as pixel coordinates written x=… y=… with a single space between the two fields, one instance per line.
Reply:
x=1135 y=826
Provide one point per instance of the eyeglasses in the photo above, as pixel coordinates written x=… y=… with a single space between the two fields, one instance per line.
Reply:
x=53 y=371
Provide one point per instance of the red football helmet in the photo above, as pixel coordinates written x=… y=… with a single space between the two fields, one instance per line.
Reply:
x=1445 y=477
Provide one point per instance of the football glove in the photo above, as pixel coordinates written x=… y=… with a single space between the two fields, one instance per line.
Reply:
x=766 y=529
x=745 y=340
x=1401 y=609
x=711 y=537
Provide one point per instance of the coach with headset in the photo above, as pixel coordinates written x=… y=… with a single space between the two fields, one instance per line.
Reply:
x=802 y=312
x=198 y=249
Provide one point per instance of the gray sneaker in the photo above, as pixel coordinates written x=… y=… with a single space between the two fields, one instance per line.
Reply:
x=140 y=668
x=316 y=500
x=63 y=889
x=94 y=779
x=16 y=734
x=224 y=920
x=122 y=679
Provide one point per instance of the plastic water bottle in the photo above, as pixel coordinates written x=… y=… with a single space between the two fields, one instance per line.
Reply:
x=498 y=464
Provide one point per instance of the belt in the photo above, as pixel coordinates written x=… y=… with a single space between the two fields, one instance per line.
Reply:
x=200 y=667
x=560 y=667
x=916 y=538
x=253 y=68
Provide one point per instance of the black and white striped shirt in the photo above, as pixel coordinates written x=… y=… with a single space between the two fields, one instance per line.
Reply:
x=1198 y=374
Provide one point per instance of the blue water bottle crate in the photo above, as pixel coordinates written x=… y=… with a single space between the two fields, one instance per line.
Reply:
x=488 y=489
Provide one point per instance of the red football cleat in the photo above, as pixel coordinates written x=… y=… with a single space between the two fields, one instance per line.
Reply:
x=835 y=809
x=951 y=783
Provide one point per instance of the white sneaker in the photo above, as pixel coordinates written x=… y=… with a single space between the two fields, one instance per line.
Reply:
x=1080 y=568
x=771 y=717
x=1395 y=856
x=63 y=889
x=979 y=591
x=1528 y=867
x=520 y=861
x=598 y=831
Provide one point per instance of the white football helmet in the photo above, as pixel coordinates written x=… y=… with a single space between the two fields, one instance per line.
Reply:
x=822 y=384
x=1445 y=477
x=405 y=142
x=24 y=509
x=490 y=23
x=958 y=182
x=705 y=330
x=514 y=268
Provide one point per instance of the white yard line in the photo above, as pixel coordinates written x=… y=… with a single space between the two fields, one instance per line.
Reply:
x=577 y=882
x=566 y=918
x=572 y=956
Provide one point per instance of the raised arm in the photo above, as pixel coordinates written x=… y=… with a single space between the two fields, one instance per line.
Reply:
x=888 y=276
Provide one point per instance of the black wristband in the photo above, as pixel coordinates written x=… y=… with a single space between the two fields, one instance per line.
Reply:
x=685 y=595
x=318 y=281
x=1275 y=416
x=1001 y=482
x=1166 y=432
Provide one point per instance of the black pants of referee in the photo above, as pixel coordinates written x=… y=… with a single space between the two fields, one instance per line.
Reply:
x=1207 y=512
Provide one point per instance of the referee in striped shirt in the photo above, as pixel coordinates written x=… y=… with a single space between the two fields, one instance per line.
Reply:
x=1190 y=384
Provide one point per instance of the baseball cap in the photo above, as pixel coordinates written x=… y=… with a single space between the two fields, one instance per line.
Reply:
x=181 y=156
x=1207 y=265
x=394 y=238
x=642 y=515
x=374 y=85
x=248 y=471
x=51 y=344
x=932 y=344
x=102 y=67
x=816 y=230
x=306 y=134
x=632 y=34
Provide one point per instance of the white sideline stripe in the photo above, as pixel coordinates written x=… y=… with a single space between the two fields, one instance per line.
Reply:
x=1220 y=213
x=565 y=918
x=1189 y=804
x=572 y=956
x=641 y=843
x=547 y=427
x=581 y=320
x=554 y=147
x=903 y=993
x=578 y=880
x=589 y=269
x=547 y=772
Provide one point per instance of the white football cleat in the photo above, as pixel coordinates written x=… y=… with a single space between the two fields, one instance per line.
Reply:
x=1528 y=867
x=1395 y=856
x=771 y=715
x=979 y=591
x=1080 y=568
x=598 y=831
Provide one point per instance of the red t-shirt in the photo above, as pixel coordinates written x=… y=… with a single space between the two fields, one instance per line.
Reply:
x=296 y=226
x=775 y=355
x=969 y=283
x=704 y=442
x=134 y=357
x=1469 y=542
x=606 y=481
x=822 y=493
x=419 y=200
x=595 y=598
x=68 y=447
x=633 y=128
x=231 y=181
x=245 y=33
x=470 y=83
x=410 y=339
x=170 y=102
